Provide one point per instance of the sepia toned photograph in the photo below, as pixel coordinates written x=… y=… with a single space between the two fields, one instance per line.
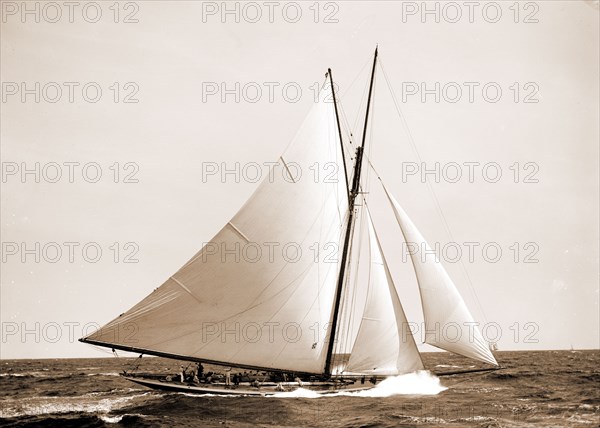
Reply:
x=300 y=213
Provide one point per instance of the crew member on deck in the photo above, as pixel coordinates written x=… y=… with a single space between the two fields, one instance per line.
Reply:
x=228 y=377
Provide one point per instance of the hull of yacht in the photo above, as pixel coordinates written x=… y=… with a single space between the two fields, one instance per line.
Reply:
x=245 y=389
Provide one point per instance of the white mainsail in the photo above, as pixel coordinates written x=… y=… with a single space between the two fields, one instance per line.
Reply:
x=448 y=323
x=260 y=294
x=385 y=344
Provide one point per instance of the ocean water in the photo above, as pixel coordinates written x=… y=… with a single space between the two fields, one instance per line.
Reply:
x=544 y=388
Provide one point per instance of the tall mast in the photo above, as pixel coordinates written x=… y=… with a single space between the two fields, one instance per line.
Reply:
x=353 y=193
x=337 y=118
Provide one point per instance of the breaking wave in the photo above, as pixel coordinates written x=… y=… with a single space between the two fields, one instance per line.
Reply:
x=57 y=405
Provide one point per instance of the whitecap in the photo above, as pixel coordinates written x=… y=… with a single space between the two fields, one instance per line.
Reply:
x=111 y=419
x=35 y=406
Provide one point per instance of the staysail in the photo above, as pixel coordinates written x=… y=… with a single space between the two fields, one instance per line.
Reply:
x=385 y=344
x=448 y=323
x=260 y=293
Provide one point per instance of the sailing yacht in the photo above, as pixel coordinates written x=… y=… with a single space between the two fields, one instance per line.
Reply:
x=262 y=296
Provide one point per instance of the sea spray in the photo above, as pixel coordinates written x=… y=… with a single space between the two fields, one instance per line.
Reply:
x=299 y=393
x=422 y=382
x=418 y=383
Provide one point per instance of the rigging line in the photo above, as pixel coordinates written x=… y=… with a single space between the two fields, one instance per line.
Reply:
x=347 y=302
x=404 y=238
x=401 y=230
x=298 y=280
x=346 y=147
x=312 y=226
x=306 y=313
x=292 y=294
x=351 y=130
x=362 y=319
x=157 y=302
x=317 y=217
x=306 y=236
x=254 y=304
x=367 y=61
x=349 y=133
x=341 y=344
x=199 y=253
x=371 y=139
x=361 y=228
x=319 y=273
x=431 y=189
x=466 y=379
x=104 y=350
x=339 y=341
x=362 y=217
x=361 y=234
x=344 y=302
x=390 y=280
x=362 y=101
x=316 y=299
x=350 y=307
x=346 y=123
x=361 y=221
x=339 y=134
x=345 y=126
x=347 y=237
x=345 y=309
x=336 y=157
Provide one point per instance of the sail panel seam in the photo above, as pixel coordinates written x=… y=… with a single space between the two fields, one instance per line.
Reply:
x=287 y=169
x=239 y=232
x=185 y=288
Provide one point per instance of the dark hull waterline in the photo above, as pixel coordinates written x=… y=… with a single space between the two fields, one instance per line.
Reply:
x=222 y=389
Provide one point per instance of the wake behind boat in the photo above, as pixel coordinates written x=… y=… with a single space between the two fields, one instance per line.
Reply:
x=320 y=316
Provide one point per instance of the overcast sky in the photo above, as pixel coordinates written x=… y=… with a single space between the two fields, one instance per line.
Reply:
x=540 y=132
